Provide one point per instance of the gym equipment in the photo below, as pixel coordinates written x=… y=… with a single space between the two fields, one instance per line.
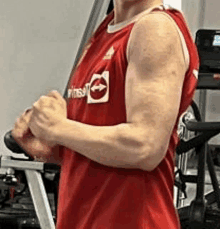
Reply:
x=204 y=210
x=208 y=44
x=33 y=170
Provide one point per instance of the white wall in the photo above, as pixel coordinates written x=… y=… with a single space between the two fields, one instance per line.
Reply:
x=38 y=44
x=194 y=13
x=174 y=3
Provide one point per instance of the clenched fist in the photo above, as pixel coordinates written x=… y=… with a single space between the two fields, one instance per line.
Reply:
x=24 y=137
x=47 y=116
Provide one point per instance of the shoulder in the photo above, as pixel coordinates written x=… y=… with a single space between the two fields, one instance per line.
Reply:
x=155 y=26
x=155 y=37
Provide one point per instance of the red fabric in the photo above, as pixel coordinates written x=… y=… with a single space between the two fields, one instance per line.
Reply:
x=93 y=196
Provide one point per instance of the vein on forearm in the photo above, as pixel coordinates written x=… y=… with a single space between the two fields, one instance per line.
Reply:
x=115 y=146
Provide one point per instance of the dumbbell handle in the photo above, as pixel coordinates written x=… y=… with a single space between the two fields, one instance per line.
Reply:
x=13 y=145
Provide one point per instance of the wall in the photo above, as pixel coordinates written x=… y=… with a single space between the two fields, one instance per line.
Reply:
x=194 y=13
x=38 y=44
x=174 y=3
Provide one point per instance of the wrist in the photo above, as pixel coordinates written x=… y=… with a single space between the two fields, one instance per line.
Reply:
x=56 y=133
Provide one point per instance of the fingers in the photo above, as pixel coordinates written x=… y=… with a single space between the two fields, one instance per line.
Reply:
x=21 y=125
x=42 y=109
x=26 y=116
x=44 y=104
x=55 y=94
x=52 y=100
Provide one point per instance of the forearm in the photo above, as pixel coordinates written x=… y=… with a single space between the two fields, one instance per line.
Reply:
x=115 y=146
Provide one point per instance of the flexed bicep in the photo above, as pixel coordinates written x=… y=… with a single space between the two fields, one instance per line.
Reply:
x=154 y=80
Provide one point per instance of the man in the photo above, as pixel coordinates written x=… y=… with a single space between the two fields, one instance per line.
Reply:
x=116 y=135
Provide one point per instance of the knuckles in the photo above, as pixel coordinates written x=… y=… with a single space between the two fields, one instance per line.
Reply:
x=53 y=101
x=45 y=101
x=35 y=106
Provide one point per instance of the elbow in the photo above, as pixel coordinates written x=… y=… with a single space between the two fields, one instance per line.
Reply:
x=140 y=150
x=150 y=159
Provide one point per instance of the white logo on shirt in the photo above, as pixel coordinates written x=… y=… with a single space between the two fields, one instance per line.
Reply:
x=100 y=87
x=96 y=91
x=109 y=54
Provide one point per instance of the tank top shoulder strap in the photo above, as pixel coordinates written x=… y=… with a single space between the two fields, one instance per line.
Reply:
x=183 y=25
x=184 y=32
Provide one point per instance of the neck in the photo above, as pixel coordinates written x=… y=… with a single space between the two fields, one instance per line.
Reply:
x=125 y=9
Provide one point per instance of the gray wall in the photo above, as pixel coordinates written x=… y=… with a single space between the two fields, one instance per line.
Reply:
x=38 y=44
x=194 y=13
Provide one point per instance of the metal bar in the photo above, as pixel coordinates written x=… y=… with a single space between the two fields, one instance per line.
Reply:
x=182 y=165
x=7 y=162
x=202 y=104
x=183 y=159
x=92 y=22
x=103 y=12
x=40 y=200
x=201 y=172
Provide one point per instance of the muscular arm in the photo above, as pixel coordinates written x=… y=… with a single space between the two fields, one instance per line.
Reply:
x=154 y=80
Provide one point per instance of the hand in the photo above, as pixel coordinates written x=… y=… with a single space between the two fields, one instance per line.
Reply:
x=24 y=137
x=48 y=114
x=21 y=128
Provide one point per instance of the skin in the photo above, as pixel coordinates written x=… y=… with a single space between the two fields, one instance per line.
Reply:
x=126 y=9
x=154 y=83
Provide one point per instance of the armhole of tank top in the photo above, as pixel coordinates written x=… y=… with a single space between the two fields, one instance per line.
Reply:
x=183 y=42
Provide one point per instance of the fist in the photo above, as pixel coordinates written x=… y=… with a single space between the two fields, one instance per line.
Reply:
x=23 y=136
x=48 y=114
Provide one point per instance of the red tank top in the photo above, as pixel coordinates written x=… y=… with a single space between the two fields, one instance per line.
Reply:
x=94 y=196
